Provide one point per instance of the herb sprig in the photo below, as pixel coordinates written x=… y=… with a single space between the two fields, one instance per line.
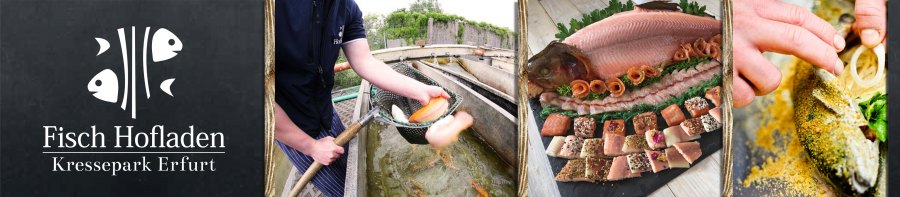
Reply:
x=692 y=8
x=586 y=19
x=875 y=111
x=691 y=92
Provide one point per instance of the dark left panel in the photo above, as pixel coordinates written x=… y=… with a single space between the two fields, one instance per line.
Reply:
x=203 y=74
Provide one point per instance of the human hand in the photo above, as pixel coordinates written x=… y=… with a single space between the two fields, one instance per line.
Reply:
x=871 y=21
x=770 y=25
x=424 y=94
x=324 y=151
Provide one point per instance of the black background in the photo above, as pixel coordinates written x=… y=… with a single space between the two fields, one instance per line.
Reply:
x=893 y=77
x=48 y=55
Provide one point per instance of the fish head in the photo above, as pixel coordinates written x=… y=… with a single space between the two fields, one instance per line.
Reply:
x=829 y=127
x=165 y=45
x=105 y=86
x=556 y=65
x=832 y=94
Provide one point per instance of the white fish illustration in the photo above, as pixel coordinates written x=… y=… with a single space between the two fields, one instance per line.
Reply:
x=105 y=85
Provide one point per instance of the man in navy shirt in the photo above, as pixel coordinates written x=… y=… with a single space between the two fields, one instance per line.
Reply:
x=308 y=37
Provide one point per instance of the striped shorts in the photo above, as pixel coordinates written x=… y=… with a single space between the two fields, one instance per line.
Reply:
x=329 y=180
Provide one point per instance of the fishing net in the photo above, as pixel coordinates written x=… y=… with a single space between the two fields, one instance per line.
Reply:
x=381 y=99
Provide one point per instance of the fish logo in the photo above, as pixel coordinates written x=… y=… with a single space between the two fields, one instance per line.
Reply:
x=105 y=85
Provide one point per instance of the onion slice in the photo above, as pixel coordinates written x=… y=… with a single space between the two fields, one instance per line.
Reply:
x=879 y=53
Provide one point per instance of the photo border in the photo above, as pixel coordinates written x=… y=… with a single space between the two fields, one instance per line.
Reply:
x=523 y=115
x=269 y=64
x=726 y=98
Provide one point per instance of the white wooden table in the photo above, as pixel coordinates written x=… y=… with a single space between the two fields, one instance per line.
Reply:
x=703 y=179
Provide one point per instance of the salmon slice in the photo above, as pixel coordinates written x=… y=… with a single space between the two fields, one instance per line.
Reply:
x=714 y=95
x=614 y=127
x=638 y=162
x=709 y=123
x=676 y=134
x=716 y=113
x=658 y=160
x=673 y=115
x=612 y=145
x=584 y=126
x=630 y=39
x=572 y=148
x=696 y=106
x=644 y=122
x=555 y=125
x=676 y=160
x=669 y=87
x=618 y=170
x=555 y=146
x=690 y=150
x=597 y=168
x=570 y=171
x=692 y=127
x=592 y=148
x=635 y=144
x=655 y=139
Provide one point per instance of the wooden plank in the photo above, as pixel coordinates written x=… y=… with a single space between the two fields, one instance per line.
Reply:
x=392 y=55
x=541 y=29
x=491 y=76
x=560 y=11
x=496 y=125
x=540 y=175
x=586 y=6
x=701 y=180
x=663 y=192
x=713 y=7
x=356 y=180
x=471 y=79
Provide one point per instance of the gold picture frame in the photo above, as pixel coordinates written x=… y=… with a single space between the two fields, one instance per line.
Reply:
x=523 y=114
x=269 y=63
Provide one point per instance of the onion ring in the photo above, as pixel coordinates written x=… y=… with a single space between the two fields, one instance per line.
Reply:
x=650 y=71
x=598 y=86
x=716 y=39
x=683 y=53
x=879 y=53
x=698 y=48
x=635 y=75
x=580 y=88
x=615 y=86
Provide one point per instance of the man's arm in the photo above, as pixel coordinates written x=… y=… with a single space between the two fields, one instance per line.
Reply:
x=378 y=73
x=323 y=150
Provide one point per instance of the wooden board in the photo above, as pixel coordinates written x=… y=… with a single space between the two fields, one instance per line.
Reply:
x=710 y=143
x=586 y=6
x=541 y=29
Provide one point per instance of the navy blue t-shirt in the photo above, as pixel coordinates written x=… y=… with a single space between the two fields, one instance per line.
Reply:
x=308 y=37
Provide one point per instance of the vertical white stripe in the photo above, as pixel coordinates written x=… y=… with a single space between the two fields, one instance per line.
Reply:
x=124 y=65
x=146 y=84
x=133 y=101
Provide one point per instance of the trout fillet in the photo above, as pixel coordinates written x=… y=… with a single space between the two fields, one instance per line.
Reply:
x=828 y=125
x=608 y=48
x=638 y=38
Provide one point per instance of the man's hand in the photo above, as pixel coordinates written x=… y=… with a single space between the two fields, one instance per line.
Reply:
x=325 y=151
x=871 y=21
x=770 y=25
x=322 y=150
x=425 y=94
x=376 y=72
